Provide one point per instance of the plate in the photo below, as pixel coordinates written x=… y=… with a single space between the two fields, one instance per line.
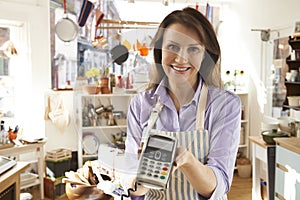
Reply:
x=90 y=144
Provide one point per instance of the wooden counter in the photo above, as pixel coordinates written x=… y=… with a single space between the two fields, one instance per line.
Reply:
x=13 y=177
x=291 y=143
x=259 y=141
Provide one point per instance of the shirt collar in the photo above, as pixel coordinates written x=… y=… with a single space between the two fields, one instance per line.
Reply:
x=161 y=91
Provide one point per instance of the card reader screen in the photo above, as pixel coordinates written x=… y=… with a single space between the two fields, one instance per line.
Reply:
x=161 y=143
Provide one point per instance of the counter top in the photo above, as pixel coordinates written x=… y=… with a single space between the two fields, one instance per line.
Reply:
x=290 y=143
x=259 y=140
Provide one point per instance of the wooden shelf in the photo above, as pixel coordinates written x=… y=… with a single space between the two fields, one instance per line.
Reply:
x=295 y=44
x=293 y=64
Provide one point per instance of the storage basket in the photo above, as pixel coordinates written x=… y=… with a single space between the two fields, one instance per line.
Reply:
x=244 y=171
x=58 y=154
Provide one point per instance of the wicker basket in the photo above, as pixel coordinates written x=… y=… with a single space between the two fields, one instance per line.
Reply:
x=92 y=89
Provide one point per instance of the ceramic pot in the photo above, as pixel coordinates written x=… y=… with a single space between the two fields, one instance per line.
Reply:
x=268 y=136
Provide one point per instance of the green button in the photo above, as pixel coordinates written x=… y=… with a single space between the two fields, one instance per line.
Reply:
x=162 y=177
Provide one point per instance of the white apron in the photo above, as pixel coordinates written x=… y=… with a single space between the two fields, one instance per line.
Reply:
x=197 y=142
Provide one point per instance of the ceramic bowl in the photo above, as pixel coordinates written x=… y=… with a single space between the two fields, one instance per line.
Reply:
x=268 y=136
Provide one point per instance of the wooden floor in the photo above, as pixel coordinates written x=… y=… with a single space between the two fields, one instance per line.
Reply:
x=240 y=190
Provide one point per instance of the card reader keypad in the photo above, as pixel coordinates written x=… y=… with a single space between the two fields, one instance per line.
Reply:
x=155 y=165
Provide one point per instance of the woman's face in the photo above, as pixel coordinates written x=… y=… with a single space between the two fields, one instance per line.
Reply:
x=182 y=54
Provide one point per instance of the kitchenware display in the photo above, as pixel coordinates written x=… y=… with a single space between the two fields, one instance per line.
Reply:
x=66 y=29
x=268 y=136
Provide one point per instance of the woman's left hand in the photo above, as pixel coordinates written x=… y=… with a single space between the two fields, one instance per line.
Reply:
x=182 y=157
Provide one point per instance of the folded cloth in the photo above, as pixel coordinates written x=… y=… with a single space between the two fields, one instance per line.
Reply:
x=86 y=9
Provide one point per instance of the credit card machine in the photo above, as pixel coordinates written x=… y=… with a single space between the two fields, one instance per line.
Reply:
x=156 y=161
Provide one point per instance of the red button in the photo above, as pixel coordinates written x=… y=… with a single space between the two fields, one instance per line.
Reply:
x=165 y=168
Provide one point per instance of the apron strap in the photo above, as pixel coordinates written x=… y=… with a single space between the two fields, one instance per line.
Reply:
x=152 y=119
x=201 y=107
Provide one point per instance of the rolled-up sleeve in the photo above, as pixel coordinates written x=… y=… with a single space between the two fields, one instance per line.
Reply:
x=223 y=120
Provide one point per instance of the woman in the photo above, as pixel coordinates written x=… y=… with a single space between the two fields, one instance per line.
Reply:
x=186 y=82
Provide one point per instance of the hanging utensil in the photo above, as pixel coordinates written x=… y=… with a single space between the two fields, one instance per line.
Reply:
x=66 y=29
x=119 y=54
x=86 y=9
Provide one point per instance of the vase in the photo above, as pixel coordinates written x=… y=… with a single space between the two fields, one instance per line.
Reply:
x=105 y=85
x=92 y=89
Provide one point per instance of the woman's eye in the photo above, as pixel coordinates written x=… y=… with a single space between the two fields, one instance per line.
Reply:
x=173 y=48
x=193 y=50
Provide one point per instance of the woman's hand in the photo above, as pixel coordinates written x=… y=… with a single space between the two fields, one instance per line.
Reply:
x=195 y=172
x=183 y=156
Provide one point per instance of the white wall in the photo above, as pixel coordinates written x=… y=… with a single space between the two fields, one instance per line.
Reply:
x=35 y=16
x=278 y=15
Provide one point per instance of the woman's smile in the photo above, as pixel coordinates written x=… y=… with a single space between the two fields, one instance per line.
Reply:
x=180 y=69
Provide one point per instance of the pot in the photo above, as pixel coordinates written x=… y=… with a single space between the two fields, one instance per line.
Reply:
x=268 y=136
x=119 y=54
x=66 y=29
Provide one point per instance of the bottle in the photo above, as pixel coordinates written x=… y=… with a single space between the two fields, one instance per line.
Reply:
x=3 y=138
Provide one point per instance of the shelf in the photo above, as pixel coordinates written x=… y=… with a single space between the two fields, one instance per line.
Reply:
x=291 y=107
x=244 y=121
x=89 y=155
x=36 y=182
x=293 y=64
x=243 y=146
x=295 y=44
x=292 y=83
x=120 y=103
